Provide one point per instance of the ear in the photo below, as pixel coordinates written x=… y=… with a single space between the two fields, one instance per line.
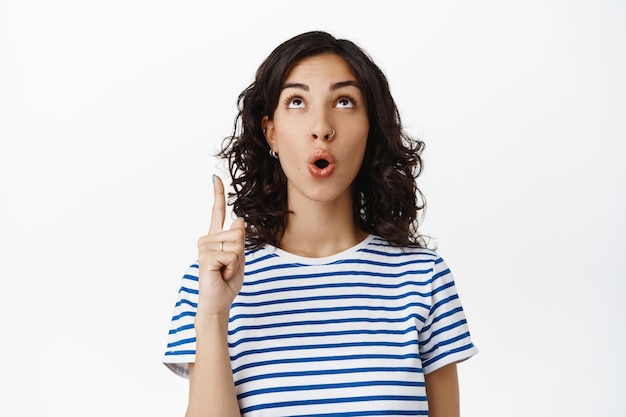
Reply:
x=268 y=130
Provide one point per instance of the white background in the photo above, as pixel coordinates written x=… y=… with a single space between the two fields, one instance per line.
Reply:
x=110 y=113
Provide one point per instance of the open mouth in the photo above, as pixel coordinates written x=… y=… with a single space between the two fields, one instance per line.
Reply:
x=322 y=163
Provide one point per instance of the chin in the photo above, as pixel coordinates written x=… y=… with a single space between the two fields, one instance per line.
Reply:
x=323 y=194
x=321 y=191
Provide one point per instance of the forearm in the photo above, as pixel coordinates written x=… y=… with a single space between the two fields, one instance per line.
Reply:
x=442 y=390
x=211 y=386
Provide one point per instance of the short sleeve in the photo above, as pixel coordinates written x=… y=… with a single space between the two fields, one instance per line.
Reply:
x=181 y=343
x=445 y=336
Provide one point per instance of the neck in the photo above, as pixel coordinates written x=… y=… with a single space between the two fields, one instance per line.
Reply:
x=319 y=229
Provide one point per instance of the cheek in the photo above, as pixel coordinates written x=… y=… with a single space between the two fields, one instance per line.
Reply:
x=284 y=121
x=361 y=132
x=285 y=131
x=360 y=124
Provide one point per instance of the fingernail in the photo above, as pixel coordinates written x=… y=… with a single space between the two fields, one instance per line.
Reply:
x=213 y=178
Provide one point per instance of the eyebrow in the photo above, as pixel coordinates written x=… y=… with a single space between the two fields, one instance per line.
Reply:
x=335 y=86
x=296 y=85
x=349 y=83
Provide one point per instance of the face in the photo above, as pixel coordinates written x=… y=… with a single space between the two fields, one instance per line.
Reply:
x=319 y=130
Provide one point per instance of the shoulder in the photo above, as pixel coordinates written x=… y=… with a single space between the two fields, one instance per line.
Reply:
x=378 y=245
x=416 y=259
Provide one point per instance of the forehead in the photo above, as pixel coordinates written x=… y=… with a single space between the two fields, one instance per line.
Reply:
x=322 y=68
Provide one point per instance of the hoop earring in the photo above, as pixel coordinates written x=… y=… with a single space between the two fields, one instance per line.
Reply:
x=332 y=134
x=273 y=153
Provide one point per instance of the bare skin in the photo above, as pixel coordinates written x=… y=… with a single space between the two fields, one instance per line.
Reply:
x=320 y=96
x=442 y=389
x=321 y=108
x=220 y=266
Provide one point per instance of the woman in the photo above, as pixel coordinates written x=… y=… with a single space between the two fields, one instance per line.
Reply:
x=321 y=298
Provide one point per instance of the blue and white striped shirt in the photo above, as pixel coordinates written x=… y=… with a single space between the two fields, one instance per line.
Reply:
x=351 y=334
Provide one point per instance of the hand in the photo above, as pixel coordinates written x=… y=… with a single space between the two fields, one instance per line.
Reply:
x=220 y=259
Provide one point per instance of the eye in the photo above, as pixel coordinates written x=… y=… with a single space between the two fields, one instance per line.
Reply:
x=346 y=102
x=294 y=102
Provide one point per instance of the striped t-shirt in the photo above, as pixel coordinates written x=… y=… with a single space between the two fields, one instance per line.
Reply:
x=346 y=335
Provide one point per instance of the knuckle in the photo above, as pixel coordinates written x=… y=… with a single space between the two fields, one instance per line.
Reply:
x=239 y=234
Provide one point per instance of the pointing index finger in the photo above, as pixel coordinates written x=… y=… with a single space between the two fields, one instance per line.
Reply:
x=218 y=214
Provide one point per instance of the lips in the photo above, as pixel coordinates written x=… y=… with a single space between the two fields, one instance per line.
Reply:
x=321 y=163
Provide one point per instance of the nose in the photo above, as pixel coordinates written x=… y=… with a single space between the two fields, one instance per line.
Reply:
x=328 y=134
x=321 y=123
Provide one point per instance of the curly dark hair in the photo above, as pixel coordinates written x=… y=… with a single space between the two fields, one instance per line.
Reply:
x=386 y=199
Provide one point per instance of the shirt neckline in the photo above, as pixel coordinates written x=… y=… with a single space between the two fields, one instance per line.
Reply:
x=291 y=257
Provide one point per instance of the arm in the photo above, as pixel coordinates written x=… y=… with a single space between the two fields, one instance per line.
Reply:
x=220 y=277
x=442 y=389
x=211 y=386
